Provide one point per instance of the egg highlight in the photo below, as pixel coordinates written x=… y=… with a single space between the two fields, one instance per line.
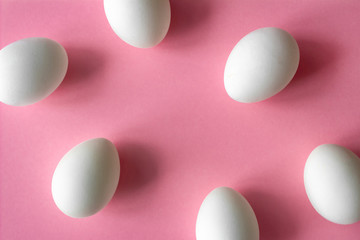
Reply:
x=140 y=23
x=30 y=70
x=261 y=64
x=332 y=183
x=86 y=178
x=226 y=215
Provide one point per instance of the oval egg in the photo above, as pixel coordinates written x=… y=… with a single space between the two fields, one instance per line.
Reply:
x=140 y=23
x=226 y=215
x=261 y=64
x=332 y=183
x=86 y=178
x=30 y=70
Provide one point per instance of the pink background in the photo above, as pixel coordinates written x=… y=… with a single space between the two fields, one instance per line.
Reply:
x=178 y=133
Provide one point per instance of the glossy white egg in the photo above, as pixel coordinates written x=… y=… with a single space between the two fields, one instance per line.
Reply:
x=332 y=183
x=86 y=178
x=226 y=215
x=261 y=64
x=140 y=23
x=30 y=70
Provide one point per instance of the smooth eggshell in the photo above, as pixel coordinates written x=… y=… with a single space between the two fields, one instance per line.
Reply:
x=261 y=64
x=226 y=215
x=332 y=183
x=140 y=23
x=86 y=178
x=30 y=70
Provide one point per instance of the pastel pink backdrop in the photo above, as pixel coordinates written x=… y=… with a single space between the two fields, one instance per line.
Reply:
x=178 y=133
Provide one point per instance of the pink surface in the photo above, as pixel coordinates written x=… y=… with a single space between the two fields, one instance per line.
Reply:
x=178 y=133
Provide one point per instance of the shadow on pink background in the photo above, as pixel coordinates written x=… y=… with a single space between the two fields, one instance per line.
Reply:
x=177 y=132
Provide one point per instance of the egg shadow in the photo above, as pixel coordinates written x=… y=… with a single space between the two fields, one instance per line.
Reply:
x=315 y=57
x=186 y=16
x=84 y=63
x=138 y=168
x=275 y=221
x=350 y=141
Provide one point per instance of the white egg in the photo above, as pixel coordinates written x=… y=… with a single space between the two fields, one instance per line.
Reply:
x=226 y=215
x=30 y=70
x=332 y=183
x=261 y=64
x=140 y=23
x=86 y=178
